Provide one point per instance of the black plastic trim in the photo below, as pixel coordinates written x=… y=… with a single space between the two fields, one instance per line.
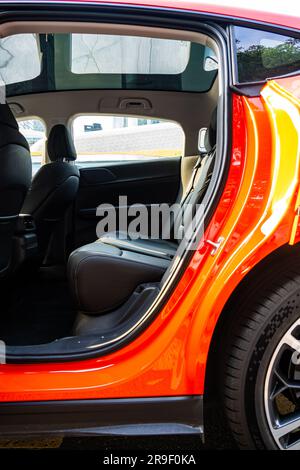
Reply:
x=250 y=89
x=122 y=416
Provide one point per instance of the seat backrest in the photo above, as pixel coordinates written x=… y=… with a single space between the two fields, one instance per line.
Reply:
x=54 y=186
x=197 y=189
x=193 y=192
x=15 y=179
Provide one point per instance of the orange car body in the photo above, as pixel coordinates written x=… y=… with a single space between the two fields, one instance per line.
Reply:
x=256 y=214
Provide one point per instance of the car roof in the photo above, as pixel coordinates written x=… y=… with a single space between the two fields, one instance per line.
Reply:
x=225 y=8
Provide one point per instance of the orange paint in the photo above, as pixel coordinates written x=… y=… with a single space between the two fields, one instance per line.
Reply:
x=155 y=364
x=254 y=215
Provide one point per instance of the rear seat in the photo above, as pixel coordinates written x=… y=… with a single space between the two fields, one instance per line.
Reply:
x=191 y=194
x=105 y=273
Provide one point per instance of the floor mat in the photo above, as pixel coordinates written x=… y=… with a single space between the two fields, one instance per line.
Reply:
x=40 y=312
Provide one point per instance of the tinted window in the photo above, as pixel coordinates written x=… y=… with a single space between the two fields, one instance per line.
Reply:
x=93 y=61
x=262 y=55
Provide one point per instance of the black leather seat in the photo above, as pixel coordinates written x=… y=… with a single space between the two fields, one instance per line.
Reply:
x=190 y=196
x=105 y=273
x=54 y=187
x=15 y=179
x=102 y=277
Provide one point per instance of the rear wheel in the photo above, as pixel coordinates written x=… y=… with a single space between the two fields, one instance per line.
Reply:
x=261 y=375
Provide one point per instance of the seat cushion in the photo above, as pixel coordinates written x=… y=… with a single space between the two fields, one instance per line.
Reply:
x=103 y=276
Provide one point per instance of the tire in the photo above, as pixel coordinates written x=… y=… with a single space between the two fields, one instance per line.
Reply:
x=255 y=398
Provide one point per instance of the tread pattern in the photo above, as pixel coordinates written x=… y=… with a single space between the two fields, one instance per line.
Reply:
x=252 y=318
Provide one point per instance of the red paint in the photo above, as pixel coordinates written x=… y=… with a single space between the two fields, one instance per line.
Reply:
x=197 y=6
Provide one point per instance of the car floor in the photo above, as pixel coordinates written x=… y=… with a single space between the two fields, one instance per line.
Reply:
x=36 y=308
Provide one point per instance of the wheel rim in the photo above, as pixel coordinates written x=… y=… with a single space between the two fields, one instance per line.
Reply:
x=282 y=391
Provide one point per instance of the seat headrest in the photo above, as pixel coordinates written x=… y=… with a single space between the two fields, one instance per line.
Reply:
x=60 y=144
x=210 y=139
x=9 y=129
x=6 y=116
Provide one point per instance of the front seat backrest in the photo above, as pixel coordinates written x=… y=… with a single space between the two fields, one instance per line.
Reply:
x=15 y=179
x=200 y=179
x=55 y=185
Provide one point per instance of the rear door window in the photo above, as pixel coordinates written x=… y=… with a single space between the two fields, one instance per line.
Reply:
x=101 y=139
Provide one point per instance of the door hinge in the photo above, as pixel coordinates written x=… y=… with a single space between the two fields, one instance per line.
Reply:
x=216 y=245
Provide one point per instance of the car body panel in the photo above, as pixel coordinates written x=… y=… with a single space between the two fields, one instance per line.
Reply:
x=144 y=182
x=256 y=214
x=255 y=217
x=226 y=9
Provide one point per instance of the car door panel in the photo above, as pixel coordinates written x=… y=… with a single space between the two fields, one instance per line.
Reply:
x=142 y=182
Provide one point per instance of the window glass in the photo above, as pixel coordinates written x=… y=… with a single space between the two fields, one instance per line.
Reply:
x=35 y=133
x=210 y=62
x=262 y=55
x=92 y=61
x=19 y=58
x=102 y=53
x=101 y=138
